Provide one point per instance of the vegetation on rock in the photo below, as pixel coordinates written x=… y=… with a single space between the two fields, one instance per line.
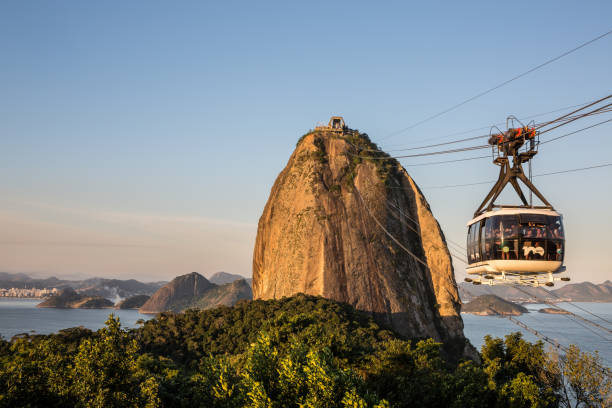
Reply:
x=68 y=298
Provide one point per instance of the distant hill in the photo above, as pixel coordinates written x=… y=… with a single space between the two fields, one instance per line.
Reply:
x=228 y=295
x=107 y=288
x=116 y=288
x=68 y=298
x=12 y=277
x=133 y=302
x=195 y=291
x=586 y=292
x=490 y=305
x=574 y=292
x=221 y=278
x=466 y=290
x=178 y=293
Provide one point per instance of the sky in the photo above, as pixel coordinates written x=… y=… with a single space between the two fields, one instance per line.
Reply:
x=141 y=139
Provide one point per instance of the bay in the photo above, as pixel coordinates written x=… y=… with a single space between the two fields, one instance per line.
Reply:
x=18 y=315
x=22 y=316
x=563 y=328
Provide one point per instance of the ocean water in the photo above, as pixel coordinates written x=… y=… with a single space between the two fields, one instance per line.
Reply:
x=564 y=329
x=22 y=316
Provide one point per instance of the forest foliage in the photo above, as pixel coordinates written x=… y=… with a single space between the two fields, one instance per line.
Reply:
x=295 y=352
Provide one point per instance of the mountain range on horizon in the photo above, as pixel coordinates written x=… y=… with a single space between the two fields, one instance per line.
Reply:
x=194 y=291
x=118 y=289
x=112 y=289
x=573 y=292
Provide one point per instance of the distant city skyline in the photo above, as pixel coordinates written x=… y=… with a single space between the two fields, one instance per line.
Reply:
x=141 y=140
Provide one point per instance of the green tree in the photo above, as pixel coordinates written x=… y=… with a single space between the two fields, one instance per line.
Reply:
x=586 y=381
x=215 y=385
x=518 y=372
x=302 y=376
x=34 y=374
x=105 y=372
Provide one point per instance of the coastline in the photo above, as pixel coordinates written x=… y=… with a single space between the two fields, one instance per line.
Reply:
x=24 y=297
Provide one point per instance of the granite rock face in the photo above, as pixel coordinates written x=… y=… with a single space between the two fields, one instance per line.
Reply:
x=133 y=302
x=194 y=291
x=340 y=222
x=177 y=294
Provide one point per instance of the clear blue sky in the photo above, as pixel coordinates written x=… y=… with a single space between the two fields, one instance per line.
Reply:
x=141 y=139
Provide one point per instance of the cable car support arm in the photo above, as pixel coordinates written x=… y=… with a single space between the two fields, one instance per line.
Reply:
x=506 y=145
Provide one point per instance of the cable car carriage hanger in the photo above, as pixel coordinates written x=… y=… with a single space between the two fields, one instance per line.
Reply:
x=515 y=244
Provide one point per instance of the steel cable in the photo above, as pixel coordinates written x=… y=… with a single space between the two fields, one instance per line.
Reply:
x=537 y=175
x=497 y=124
x=427 y=119
x=567 y=312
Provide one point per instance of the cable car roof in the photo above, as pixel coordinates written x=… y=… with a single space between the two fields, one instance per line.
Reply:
x=514 y=211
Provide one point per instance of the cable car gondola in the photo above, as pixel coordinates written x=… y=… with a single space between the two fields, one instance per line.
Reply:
x=522 y=244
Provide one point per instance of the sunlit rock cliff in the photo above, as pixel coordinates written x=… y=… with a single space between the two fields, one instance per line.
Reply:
x=339 y=223
x=194 y=291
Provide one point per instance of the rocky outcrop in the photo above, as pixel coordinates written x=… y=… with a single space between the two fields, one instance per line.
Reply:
x=177 y=294
x=193 y=291
x=133 y=302
x=346 y=222
x=68 y=298
x=491 y=305
x=552 y=310
x=221 y=278
x=227 y=295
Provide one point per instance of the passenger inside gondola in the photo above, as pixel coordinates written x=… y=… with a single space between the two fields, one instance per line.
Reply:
x=531 y=237
x=538 y=251
x=527 y=249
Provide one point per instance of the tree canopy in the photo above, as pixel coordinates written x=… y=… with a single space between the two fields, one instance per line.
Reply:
x=295 y=352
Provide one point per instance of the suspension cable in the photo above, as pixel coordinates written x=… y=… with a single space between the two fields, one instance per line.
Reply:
x=517 y=322
x=447 y=161
x=567 y=118
x=576 y=118
x=577 y=306
x=574 y=132
x=387 y=232
x=459 y=245
x=385 y=156
x=489 y=156
x=547 y=339
x=536 y=175
x=577 y=110
x=524 y=118
x=427 y=119
x=546 y=301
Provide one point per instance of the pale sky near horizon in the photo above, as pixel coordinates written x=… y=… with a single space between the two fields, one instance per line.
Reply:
x=141 y=139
